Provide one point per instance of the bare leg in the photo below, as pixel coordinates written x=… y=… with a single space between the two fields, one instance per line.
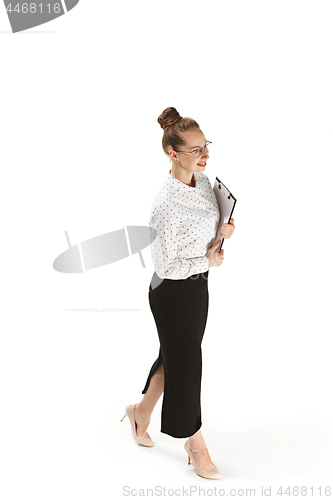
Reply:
x=200 y=451
x=144 y=409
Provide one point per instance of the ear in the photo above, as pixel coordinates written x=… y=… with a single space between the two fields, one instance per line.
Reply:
x=173 y=154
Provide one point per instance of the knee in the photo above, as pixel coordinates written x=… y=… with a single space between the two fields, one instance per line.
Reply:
x=160 y=370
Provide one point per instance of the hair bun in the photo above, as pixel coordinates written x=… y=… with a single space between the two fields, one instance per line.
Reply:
x=168 y=117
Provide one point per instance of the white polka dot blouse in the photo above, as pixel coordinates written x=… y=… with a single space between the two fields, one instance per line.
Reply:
x=186 y=220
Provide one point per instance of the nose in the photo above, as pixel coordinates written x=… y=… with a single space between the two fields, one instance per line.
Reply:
x=205 y=154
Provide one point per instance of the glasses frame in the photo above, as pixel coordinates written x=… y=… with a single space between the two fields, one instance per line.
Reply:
x=198 y=149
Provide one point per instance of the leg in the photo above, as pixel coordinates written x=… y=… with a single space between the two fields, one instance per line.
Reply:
x=180 y=311
x=144 y=409
x=200 y=451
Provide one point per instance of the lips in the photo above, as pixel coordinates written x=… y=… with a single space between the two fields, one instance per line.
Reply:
x=202 y=164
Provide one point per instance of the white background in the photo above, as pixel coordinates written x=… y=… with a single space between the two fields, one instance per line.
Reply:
x=81 y=152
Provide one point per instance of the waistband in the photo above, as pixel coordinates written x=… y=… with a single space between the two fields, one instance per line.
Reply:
x=156 y=280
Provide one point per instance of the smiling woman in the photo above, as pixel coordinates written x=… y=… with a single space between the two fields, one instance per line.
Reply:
x=185 y=215
x=183 y=135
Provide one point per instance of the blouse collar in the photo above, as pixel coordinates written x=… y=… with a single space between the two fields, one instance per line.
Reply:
x=182 y=184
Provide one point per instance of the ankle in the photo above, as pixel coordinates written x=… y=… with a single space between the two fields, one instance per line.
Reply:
x=198 y=448
x=197 y=445
x=141 y=413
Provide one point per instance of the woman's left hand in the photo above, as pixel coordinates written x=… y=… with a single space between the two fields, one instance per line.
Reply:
x=227 y=230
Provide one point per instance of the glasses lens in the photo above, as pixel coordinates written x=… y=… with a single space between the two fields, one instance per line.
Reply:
x=198 y=152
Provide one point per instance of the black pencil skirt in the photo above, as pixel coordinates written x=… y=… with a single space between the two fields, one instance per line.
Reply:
x=180 y=309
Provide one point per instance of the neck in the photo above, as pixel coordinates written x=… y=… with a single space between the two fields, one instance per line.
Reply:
x=184 y=176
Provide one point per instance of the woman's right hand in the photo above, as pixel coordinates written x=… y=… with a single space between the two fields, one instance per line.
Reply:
x=215 y=258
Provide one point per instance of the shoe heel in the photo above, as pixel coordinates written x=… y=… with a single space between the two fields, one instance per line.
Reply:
x=123 y=418
x=189 y=461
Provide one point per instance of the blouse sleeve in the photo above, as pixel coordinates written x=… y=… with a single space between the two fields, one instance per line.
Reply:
x=164 y=248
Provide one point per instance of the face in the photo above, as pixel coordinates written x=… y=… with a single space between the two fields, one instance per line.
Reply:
x=193 y=139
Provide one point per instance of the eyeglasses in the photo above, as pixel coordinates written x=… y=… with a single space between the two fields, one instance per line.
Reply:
x=196 y=152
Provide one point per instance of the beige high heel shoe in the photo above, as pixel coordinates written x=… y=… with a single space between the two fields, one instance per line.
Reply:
x=143 y=440
x=210 y=473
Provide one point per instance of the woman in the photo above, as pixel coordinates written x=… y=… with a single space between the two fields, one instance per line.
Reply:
x=186 y=216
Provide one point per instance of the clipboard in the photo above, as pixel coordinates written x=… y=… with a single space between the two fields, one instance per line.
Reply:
x=226 y=202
